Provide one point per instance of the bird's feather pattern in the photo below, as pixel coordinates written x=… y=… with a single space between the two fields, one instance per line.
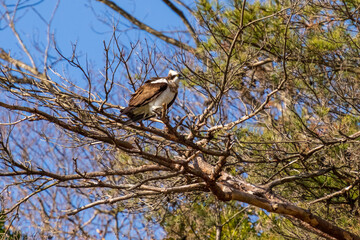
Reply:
x=146 y=94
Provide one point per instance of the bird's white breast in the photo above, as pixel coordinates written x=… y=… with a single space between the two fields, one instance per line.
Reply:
x=165 y=97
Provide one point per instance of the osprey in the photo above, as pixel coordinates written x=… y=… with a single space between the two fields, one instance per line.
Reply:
x=148 y=100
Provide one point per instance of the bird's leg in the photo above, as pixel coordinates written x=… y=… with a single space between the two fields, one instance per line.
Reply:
x=165 y=119
x=158 y=112
x=164 y=111
x=161 y=111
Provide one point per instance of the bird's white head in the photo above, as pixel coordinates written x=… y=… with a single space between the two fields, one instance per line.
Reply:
x=174 y=76
x=173 y=73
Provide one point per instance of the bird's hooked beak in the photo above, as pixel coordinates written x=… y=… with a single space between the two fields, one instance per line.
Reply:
x=179 y=78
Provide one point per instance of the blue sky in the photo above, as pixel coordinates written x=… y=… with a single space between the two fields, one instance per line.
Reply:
x=76 y=22
x=82 y=22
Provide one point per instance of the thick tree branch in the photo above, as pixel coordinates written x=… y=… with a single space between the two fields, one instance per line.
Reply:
x=294 y=211
x=229 y=187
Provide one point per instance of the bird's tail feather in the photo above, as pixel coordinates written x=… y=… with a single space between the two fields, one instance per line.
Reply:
x=136 y=118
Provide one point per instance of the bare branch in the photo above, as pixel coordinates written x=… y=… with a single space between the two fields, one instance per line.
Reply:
x=340 y=192
x=184 y=19
x=186 y=188
x=145 y=27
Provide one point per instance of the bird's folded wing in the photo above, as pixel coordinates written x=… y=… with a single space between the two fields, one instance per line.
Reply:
x=146 y=93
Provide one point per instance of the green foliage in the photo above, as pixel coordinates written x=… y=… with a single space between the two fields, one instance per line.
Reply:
x=196 y=217
x=10 y=234
x=318 y=104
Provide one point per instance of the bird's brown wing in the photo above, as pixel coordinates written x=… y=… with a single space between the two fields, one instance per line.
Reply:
x=146 y=93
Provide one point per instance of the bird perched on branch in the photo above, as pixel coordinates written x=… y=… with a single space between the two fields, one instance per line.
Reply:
x=150 y=98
